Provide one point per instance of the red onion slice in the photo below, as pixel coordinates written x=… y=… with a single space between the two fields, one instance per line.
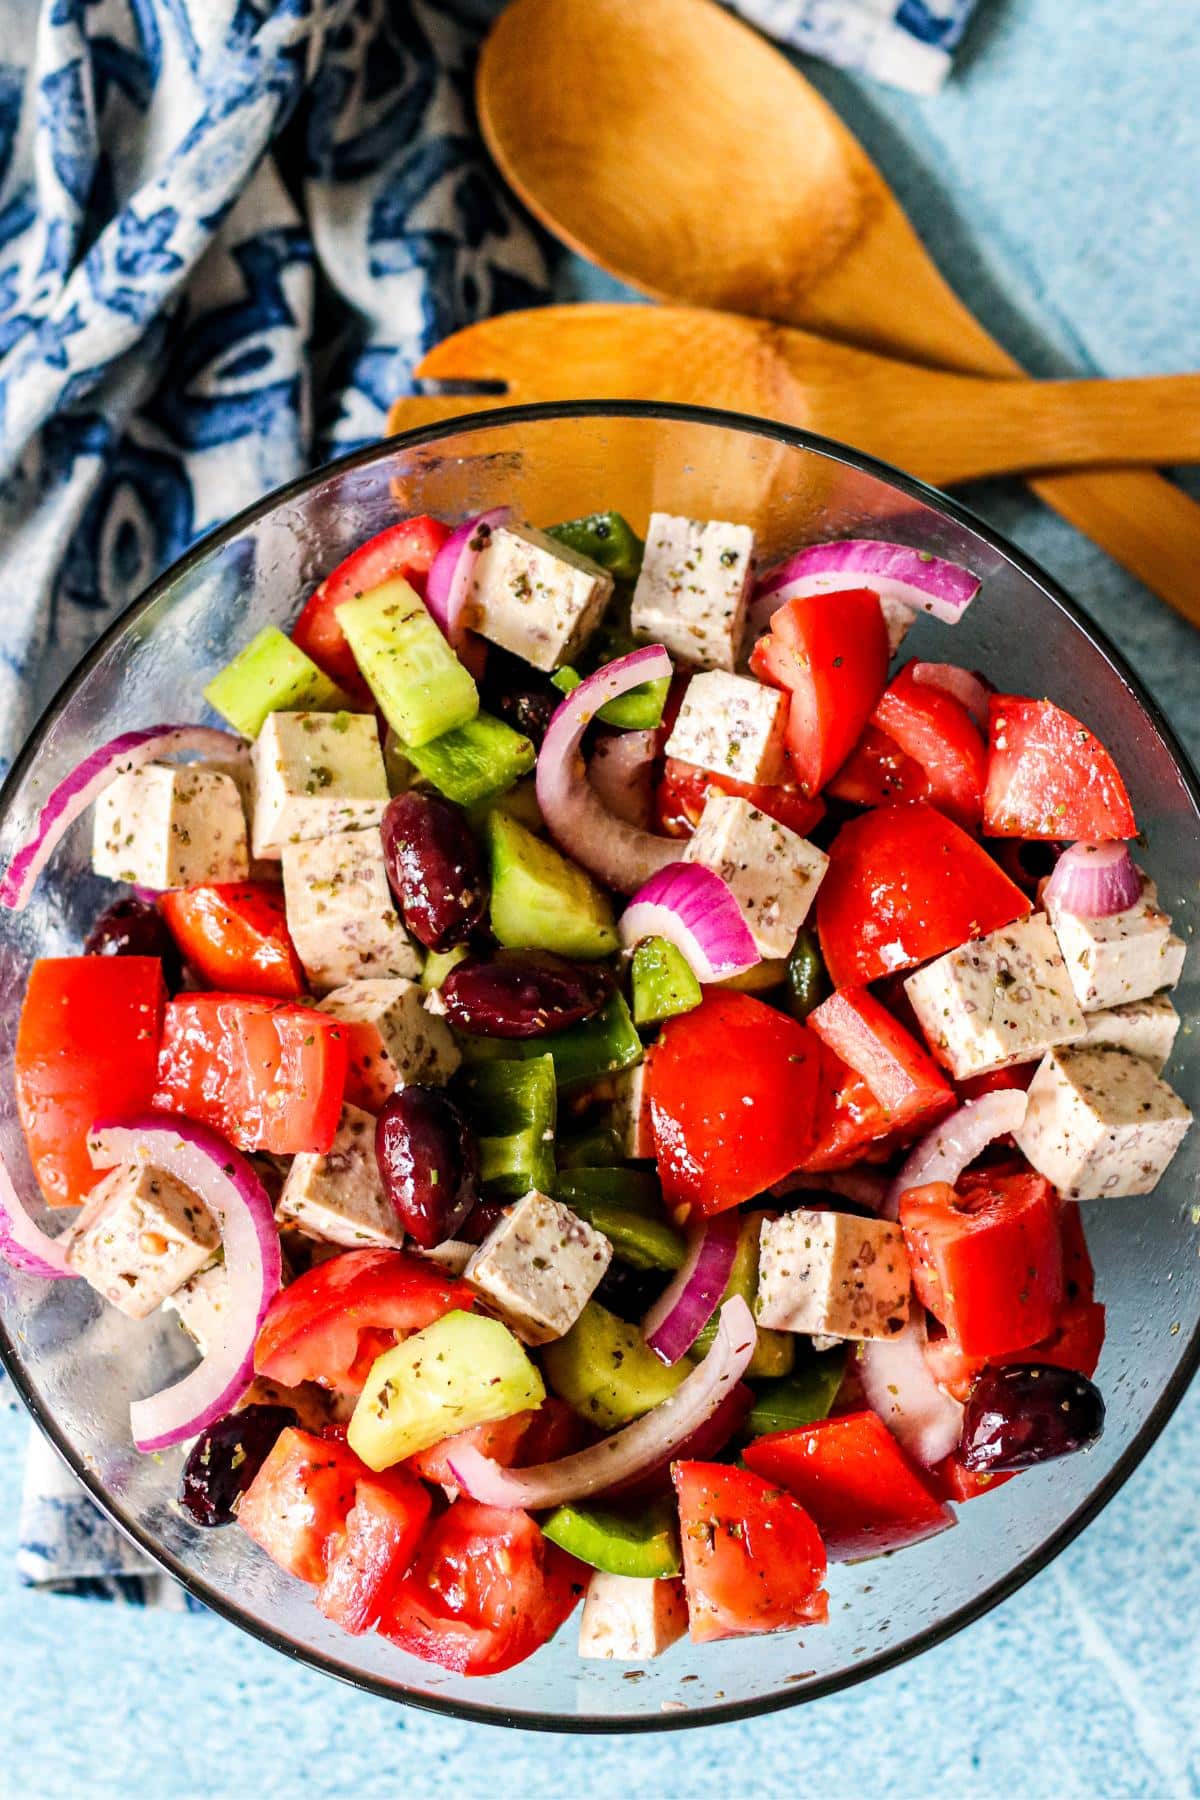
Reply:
x=895 y=572
x=72 y=797
x=1093 y=881
x=686 y=1305
x=622 y=772
x=954 y=1144
x=222 y=1178
x=644 y=1445
x=960 y=684
x=705 y=1443
x=23 y=1244
x=449 y=582
x=898 y=1385
x=694 y=909
x=616 y=853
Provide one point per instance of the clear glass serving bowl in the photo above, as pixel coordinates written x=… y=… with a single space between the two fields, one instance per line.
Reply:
x=78 y=1364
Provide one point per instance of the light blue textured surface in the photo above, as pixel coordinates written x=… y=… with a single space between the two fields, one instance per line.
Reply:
x=1070 y=145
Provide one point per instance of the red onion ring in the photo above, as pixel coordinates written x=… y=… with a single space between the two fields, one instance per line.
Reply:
x=622 y=772
x=23 y=1244
x=694 y=909
x=691 y=1298
x=960 y=684
x=895 y=572
x=954 y=1144
x=1092 y=881
x=899 y=1386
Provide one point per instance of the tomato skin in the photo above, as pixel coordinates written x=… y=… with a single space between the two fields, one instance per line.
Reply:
x=1049 y=777
x=267 y=1074
x=297 y=1505
x=383 y=1529
x=987 y=1263
x=936 y=731
x=684 y=788
x=905 y=883
x=830 y=652
x=732 y=1091
x=953 y=1482
x=407 y=550
x=901 y=1075
x=87 y=1049
x=500 y=1441
x=313 y=1329
x=235 y=936
x=486 y=1591
x=877 y=772
x=861 y=1490
x=850 y=1120
x=753 y=1560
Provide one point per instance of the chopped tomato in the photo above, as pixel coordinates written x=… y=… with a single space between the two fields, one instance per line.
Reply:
x=266 y=1074
x=732 y=1091
x=383 y=1529
x=850 y=1120
x=313 y=1329
x=406 y=550
x=297 y=1505
x=903 y=884
x=485 y=1591
x=371 y=1077
x=877 y=772
x=954 y=1482
x=500 y=1441
x=752 y=1558
x=553 y=1431
x=235 y=936
x=830 y=652
x=996 y=1081
x=87 y=1050
x=684 y=788
x=936 y=730
x=863 y=1493
x=1049 y=777
x=901 y=1075
x=987 y=1262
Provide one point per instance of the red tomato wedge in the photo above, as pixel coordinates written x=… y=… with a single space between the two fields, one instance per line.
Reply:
x=901 y=1075
x=297 y=1505
x=87 y=1049
x=265 y=1074
x=1075 y=1343
x=383 y=1529
x=752 y=1558
x=861 y=1490
x=732 y=1090
x=684 y=788
x=935 y=730
x=850 y=1120
x=1048 y=776
x=988 y=1263
x=953 y=1482
x=407 y=550
x=905 y=883
x=312 y=1329
x=830 y=652
x=500 y=1441
x=236 y=938
x=877 y=772
x=485 y=1591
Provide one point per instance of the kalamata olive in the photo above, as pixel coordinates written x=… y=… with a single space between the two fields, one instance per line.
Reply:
x=629 y=1292
x=428 y=1163
x=225 y=1459
x=133 y=927
x=523 y=993
x=434 y=869
x=528 y=710
x=1029 y=1413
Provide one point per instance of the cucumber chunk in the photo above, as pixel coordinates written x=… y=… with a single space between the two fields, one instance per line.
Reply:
x=583 y=1054
x=464 y=1370
x=540 y=901
x=662 y=982
x=774 y=1351
x=475 y=761
x=421 y=688
x=642 y=1542
x=511 y=1105
x=606 y=538
x=271 y=675
x=641 y=709
x=438 y=964
x=802 y=1399
x=604 y=1369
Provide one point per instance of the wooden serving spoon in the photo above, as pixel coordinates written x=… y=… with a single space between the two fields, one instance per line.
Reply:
x=946 y=428
x=675 y=147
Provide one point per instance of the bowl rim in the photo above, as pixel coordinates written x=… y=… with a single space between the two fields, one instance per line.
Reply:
x=1037 y=1559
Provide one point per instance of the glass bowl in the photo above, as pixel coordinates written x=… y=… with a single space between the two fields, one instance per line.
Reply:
x=77 y=1364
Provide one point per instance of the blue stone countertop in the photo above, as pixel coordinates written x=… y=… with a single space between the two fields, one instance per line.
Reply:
x=1056 y=178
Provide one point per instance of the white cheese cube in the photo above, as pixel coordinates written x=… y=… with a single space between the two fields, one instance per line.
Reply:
x=773 y=873
x=832 y=1275
x=1127 y=956
x=201 y=1304
x=170 y=827
x=693 y=589
x=537 y=1268
x=315 y=774
x=140 y=1235
x=631 y=1113
x=339 y=1196
x=341 y=914
x=536 y=597
x=395 y=1040
x=1100 y=1122
x=627 y=1620
x=733 y=724
x=1145 y=1028
x=997 y=1000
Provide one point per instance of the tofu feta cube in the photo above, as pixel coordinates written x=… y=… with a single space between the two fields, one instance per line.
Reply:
x=537 y=1268
x=773 y=873
x=832 y=1275
x=170 y=827
x=535 y=596
x=341 y=914
x=1145 y=1028
x=1100 y=1123
x=627 y=1620
x=733 y=724
x=631 y=1113
x=1127 y=956
x=140 y=1235
x=201 y=1304
x=997 y=1000
x=339 y=1196
x=315 y=774
x=693 y=589
x=393 y=1039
